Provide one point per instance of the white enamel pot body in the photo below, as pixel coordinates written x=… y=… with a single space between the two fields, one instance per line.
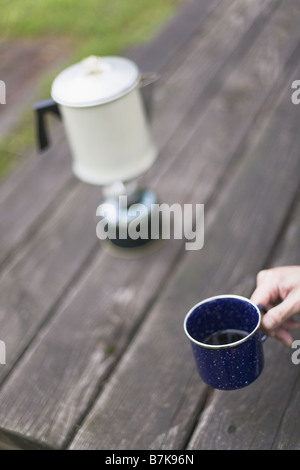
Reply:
x=111 y=141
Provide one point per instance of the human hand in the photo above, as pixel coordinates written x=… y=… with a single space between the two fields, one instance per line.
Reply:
x=278 y=289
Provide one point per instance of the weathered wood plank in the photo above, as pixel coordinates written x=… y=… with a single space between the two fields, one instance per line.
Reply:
x=42 y=271
x=198 y=71
x=93 y=311
x=157 y=54
x=287 y=250
x=288 y=432
x=143 y=398
x=40 y=183
x=265 y=415
x=249 y=419
x=235 y=97
x=28 y=194
x=25 y=298
x=29 y=257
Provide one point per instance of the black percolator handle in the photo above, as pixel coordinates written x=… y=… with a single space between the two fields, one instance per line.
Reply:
x=41 y=109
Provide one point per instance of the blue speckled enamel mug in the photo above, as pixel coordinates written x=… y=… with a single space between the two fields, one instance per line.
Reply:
x=226 y=339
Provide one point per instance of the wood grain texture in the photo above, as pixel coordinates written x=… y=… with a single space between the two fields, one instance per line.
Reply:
x=157 y=54
x=33 y=202
x=42 y=271
x=265 y=415
x=42 y=216
x=200 y=69
x=33 y=189
x=235 y=127
x=143 y=399
x=29 y=193
x=287 y=432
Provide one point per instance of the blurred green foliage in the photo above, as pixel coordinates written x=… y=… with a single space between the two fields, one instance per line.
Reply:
x=94 y=26
x=83 y=27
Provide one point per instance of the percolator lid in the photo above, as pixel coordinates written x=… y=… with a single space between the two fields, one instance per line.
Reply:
x=94 y=81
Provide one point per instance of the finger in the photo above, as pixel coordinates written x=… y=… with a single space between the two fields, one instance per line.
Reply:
x=282 y=333
x=288 y=326
x=291 y=325
x=284 y=336
x=282 y=312
x=267 y=291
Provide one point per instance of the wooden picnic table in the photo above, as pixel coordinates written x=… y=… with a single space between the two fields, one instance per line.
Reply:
x=96 y=355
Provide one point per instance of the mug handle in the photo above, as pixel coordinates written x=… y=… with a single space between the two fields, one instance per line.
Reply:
x=263 y=310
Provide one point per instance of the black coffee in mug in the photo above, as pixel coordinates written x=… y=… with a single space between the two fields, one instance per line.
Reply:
x=225 y=337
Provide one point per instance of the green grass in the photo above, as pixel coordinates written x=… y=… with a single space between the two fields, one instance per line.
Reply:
x=86 y=27
x=105 y=26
